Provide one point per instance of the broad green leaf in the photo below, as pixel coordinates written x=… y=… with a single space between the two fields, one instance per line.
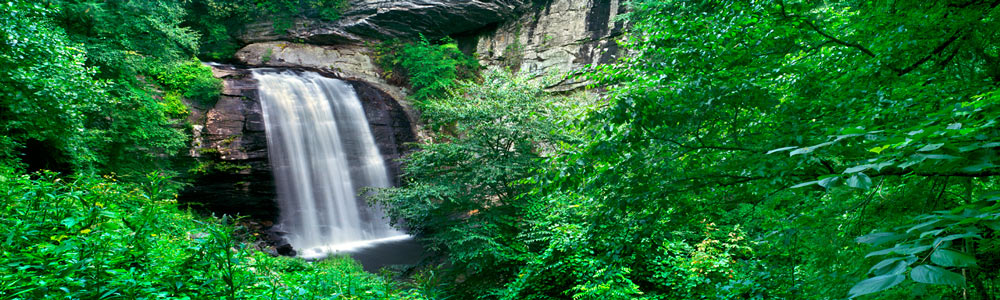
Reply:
x=827 y=182
x=936 y=275
x=951 y=258
x=860 y=181
x=914 y=159
x=781 y=149
x=931 y=233
x=878 y=238
x=930 y=147
x=923 y=225
x=979 y=167
x=879 y=149
x=967 y=148
x=69 y=222
x=956 y=236
x=882 y=165
x=895 y=265
x=912 y=250
x=876 y=284
x=804 y=184
x=880 y=252
x=900 y=249
x=853 y=131
x=809 y=149
x=856 y=169
x=940 y=156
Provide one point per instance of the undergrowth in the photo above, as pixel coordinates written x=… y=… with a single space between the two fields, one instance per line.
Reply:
x=429 y=68
x=99 y=237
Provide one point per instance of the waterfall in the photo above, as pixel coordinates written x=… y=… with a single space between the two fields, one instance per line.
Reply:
x=322 y=153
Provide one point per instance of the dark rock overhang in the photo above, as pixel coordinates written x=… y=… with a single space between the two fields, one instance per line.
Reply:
x=393 y=19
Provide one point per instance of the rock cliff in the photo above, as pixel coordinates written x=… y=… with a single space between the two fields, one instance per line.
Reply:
x=228 y=157
x=555 y=38
x=386 y=19
x=537 y=37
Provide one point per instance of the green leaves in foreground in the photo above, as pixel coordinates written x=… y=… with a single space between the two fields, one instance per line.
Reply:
x=876 y=284
x=90 y=237
x=936 y=275
x=933 y=251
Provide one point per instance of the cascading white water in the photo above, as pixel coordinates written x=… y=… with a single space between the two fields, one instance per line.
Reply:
x=322 y=153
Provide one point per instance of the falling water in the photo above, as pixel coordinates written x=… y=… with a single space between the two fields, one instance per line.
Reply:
x=322 y=153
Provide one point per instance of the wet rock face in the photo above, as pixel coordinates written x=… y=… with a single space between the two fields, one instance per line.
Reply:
x=557 y=37
x=229 y=158
x=385 y=19
x=230 y=172
x=389 y=124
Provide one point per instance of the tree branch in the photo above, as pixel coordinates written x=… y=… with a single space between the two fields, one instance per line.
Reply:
x=839 y=41
x=937 y=50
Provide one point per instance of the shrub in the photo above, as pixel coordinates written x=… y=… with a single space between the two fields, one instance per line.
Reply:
x=430 y=69
x=91 y=237
x=191 y=78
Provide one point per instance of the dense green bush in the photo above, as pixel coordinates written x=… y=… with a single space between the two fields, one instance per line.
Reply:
x=110 y=118
x=77 y=95
x=90 y=237
x=191 y=78
x=431 y=69
x=464 y=191
x=45 y=87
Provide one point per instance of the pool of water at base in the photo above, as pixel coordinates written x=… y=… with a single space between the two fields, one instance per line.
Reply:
x=373 y=255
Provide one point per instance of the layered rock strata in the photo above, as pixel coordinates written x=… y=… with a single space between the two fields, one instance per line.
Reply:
x=387 y=19
x=558 y=37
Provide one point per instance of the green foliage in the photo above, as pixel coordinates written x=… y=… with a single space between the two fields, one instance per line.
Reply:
x=78 y=92
x=775 y=132
x=328 y=10
x=91 y=238
x=209 y=167
x=464 y=193
x=711 y=101
x=122 y=38
x=267 y=56
x=191 y=78
x=739 y=150
x=174 y=107
x=430 y=69
x=45 y=88
x=219 y=22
